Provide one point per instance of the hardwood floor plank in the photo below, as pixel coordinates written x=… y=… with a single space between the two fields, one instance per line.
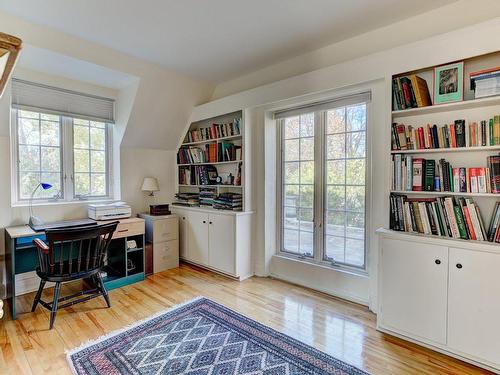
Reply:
x=342 y=329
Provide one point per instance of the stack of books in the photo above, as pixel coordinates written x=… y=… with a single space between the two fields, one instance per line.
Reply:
x=485 y=82
x=441 y=216
x=229 y=201
x=228 y=152
x=458 y=134
x=207 y=196
x=410 y=92
x=186 y=199
x=198 y=175
x=419 y=174
x=214 y=131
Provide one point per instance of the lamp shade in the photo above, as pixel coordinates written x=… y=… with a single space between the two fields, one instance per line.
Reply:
x=150 y=184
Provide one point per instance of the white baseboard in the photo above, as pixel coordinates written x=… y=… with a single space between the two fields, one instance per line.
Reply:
x=28 y=282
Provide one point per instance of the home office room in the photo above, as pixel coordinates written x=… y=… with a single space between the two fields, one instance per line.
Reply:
x=189 y=191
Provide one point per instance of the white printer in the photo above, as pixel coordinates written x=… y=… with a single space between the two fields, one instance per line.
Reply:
x=109 y=211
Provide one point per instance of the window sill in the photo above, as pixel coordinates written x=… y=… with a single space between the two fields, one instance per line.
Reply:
x=63 y=203
x=324 y=265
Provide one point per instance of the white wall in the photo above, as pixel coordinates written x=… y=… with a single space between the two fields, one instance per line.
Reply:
x=376 y=70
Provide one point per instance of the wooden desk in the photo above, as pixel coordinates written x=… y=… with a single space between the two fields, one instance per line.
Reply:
x=21 y=256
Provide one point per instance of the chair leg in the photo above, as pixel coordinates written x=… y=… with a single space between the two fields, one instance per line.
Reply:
x=101 y=286
x=38 y=295
x=53 y=313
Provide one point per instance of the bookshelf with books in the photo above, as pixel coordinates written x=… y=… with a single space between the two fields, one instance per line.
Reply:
x=211 y=165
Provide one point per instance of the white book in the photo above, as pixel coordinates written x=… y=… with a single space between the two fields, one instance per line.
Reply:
x=448 y=205
x=408 y=226
x=425 y=219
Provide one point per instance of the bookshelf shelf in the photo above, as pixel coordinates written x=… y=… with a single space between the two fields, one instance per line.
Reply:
x=209 y=186
x=445 y=150
x=233 y=137
x=213 y=163
x=466 y=104
x=444 y=193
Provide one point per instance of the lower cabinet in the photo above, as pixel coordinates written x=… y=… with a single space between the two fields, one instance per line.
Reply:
x=219 y=241
x=442 y=296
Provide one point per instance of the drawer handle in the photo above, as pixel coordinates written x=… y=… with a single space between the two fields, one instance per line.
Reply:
x=437 y=261
x=123 y=230
x=459 y=265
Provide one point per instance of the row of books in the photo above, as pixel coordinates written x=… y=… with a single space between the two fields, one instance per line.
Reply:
x=452 y=217
x=198 y=175
x=458 y=134
x=209 y=153
x=208 y=197
x=229 y=201
x=485 y=82
x=410 y=92
x=214 y=131
x=419 y=174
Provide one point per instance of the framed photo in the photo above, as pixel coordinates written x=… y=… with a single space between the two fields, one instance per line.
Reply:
x=449 y=83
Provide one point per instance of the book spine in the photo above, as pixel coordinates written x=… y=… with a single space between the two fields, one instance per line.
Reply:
x=460 y=222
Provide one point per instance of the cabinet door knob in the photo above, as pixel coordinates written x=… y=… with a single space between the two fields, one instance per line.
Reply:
x=209 y=222
x=204 y=221
x=183 y=218
x=459 y=265
x=437 y=261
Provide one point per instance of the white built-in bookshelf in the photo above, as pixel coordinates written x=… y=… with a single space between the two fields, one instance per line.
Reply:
x=469 y=109
x=221 y=140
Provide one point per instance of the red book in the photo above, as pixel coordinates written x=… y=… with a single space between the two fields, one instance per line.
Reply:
x=473 y=176
x=468 y=220
x=421 y=138
x=453 y=136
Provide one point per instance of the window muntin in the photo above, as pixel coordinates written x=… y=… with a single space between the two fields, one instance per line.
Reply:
x=38 y=153
x=89 y=158
x=298 y=184
x=337 y=194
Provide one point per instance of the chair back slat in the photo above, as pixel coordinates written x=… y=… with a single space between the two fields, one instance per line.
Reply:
x=91 y=242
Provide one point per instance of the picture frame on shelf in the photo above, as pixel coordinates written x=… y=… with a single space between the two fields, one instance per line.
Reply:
x=449 y=83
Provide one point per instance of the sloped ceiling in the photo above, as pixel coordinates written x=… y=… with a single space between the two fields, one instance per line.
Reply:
x=163 y=101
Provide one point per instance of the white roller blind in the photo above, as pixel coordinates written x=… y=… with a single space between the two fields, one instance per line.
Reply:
x=364 y=97
x=35 y=96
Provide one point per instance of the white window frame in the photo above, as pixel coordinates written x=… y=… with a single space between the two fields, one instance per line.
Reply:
x=319 y=253
x=67 y=164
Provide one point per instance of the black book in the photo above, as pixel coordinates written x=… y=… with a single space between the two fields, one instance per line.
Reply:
x=460 y=132
x=435 y=137
x=430 y=215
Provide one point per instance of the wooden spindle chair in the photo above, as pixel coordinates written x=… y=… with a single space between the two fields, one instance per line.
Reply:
x=72 y=254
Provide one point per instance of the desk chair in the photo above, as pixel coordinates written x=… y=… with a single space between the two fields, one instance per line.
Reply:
x=72 y=254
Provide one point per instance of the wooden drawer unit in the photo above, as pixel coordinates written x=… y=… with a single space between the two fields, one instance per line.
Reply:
x=165 y=255
x=129 y=227
x=163 y=230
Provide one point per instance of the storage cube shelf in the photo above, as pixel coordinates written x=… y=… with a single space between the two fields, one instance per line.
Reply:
x=213 y=147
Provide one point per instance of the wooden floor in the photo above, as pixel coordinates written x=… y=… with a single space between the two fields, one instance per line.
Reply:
x=342 y=329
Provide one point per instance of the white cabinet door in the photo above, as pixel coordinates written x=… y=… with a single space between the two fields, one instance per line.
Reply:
x=183 y=234
x=197 y=237
x=474 y=304
x=222 y=243
x=414 y=281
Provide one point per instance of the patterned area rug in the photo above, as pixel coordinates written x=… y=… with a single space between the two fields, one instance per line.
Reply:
x=202 y=337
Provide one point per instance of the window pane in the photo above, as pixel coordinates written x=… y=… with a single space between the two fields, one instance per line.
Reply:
x=51 y=159
x=97 y=184
x=334 y=248
x=98 y=161
x=335 y=146
x=307 y=196
x=97 y=124
x=29 y=131
x=335 y=223
x=355 y=144
x=28 y=114
x=292 y=150
x=335 y=197
x=306 y=243
x=291 y=240
x=306 y=219
x=335 y=172
x=47 y=117
x=77 y=121
x=307 y=125
x=291 y=220
x=355 y=172
x=291 y=127
x=51 y=178
x=307 y=172
x=291 y=197
x=356 y=118
x=355 y=225
x=336 y=121
x=82 y=183
x=27 y=183
x=29 y=158
x=307 y=149
x=355 y=252
x=291 y=173
x=97 y=138
x=81 y=136
x=50 y=133
x=81 y=160
x=355 y=198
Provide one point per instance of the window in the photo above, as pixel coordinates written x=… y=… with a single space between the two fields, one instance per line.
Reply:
x=63 y=138
x=323 y=181
x=71 y=154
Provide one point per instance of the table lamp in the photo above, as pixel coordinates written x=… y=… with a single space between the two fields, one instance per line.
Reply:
x=33 y=219
x=150 y=184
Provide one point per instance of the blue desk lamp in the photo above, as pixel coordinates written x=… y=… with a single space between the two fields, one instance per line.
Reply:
x=33 y=219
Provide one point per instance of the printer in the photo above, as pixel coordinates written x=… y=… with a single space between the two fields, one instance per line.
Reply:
x=109 y=211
